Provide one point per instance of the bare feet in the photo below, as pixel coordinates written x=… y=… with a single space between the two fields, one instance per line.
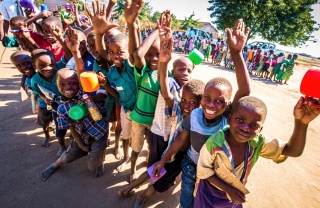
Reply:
x=47 y=172
x=46 y=142
x=61 y=151
x=99 y=171
x=138 y=202
x=118 y=153
x=125 y=192
x=122 y=164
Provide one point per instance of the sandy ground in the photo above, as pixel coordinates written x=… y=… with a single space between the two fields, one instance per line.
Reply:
x=295 y=183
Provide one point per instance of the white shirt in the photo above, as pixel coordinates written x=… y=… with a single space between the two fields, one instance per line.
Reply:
x=8 y=9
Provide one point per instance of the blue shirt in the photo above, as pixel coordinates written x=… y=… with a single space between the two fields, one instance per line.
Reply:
x=125 y=84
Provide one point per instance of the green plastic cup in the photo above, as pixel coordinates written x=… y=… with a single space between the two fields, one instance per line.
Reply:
x=78 y=111
x=196 y=56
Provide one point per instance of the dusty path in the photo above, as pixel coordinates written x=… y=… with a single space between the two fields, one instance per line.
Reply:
x=295 y=183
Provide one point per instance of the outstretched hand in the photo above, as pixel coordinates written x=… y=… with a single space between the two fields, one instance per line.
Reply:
x=24 y=32
x=237 y=38
x=72 y=40
x=100 y=18
x=102 y=79
x=56 y=31
x=132 y=10
x=305 y=111
x=166 y=40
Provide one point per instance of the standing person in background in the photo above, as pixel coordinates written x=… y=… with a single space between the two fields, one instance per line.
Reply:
x=9 y=9
x=204 y=45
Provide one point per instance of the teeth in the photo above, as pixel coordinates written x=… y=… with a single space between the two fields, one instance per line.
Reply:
x=209 y=111
x=68 y=92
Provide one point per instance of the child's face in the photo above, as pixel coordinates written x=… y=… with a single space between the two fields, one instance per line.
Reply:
x=152 y=56
x=46 y=66
x=182 y=72
x=46 y=30
x=118 y=53
x=92 y=46
x=189 y=101
x=68 y=84
x=214 y=101
x=245 y=124
x=23 y=63
x=23 y=44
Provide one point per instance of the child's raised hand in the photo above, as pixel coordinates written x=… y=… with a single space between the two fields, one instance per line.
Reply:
x=132 y=10
x=236 y=196
x=304 y=111
x=24 y=32
x=166 y=40
x=238 y=37
x=72 y=40
x=44 y=14
x=56 y=31
x=100 y=18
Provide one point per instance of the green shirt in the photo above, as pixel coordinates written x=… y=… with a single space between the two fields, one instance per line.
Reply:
x=148 y=88
x=37 y=79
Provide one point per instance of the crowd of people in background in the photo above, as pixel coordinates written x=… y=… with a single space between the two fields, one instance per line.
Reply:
x=192 y=128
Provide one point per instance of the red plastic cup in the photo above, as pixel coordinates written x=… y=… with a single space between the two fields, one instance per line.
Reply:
x=310 y=84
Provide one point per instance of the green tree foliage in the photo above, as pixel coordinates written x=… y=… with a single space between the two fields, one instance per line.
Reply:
x=189 y=22
x=286 y=22
x=39 y=2
x=156 y=16
x=145 y=12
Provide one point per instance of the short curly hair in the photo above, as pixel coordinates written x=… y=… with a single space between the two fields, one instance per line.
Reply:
x=55 y=20
x=35 y=54
x=219 y=81
x=253 y=103
x=196 y=87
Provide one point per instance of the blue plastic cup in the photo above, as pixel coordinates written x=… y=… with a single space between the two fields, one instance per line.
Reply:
x=43 y=7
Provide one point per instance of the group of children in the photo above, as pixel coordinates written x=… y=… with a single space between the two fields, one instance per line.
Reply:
x=192 y=128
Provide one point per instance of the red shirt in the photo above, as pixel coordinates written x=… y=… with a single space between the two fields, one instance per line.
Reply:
x=57 y=51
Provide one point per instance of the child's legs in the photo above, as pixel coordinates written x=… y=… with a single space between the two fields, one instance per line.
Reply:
x=72 y=153
x=188 y=180
x=137 y=142
x=157 y=146
x=43 y=119
x=97 y=153
x=60 y=133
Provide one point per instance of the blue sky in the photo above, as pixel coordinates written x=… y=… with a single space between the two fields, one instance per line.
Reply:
x=184 y=8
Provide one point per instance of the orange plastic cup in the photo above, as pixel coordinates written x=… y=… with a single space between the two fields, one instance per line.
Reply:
x=89 y=81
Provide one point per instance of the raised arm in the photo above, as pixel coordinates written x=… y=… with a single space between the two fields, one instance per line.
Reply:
x=131 y=13
x=166 y=44
x=304 y=113
x=73 y=43
x=236 y=40
x=58 y=34
x=41 y=15
x=100 y=22
x=25 y=34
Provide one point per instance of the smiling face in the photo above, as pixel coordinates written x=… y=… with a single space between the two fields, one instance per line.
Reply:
x=23 y=63
x=245 y=124
x=189 y=101
x=152 y=56
x=118 y=53
x=182 y=71
x=46 y=66
x=68 y=83
x=214 y=101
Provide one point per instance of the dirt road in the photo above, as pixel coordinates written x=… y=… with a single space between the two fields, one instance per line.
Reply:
x=295 y=183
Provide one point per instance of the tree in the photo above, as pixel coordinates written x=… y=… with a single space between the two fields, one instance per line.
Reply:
x=145 y=12
x=287 y=23
x=156 y=16
x=189 y=22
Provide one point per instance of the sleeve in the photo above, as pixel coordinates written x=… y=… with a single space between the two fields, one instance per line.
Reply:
x=186 y=124
x=37 y=38
x=34 y=85
x=71 y=64
x=272 y=149
x=62 y=119
x=62 y=64
x=138 y=75
x=4 y=11
x=205 y=164
x=10 y=41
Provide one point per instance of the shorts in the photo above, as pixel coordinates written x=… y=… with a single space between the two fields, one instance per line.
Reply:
x=126 y=124
x=173 y=170
x=44 y=117
x=96 y=154
x=139 y=131
x=157 y=146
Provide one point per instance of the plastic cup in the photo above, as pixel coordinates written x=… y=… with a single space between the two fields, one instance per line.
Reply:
x=89 y=81
x=78 y=112
x=43 y=7
x=310 y=84
x=196 y=57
